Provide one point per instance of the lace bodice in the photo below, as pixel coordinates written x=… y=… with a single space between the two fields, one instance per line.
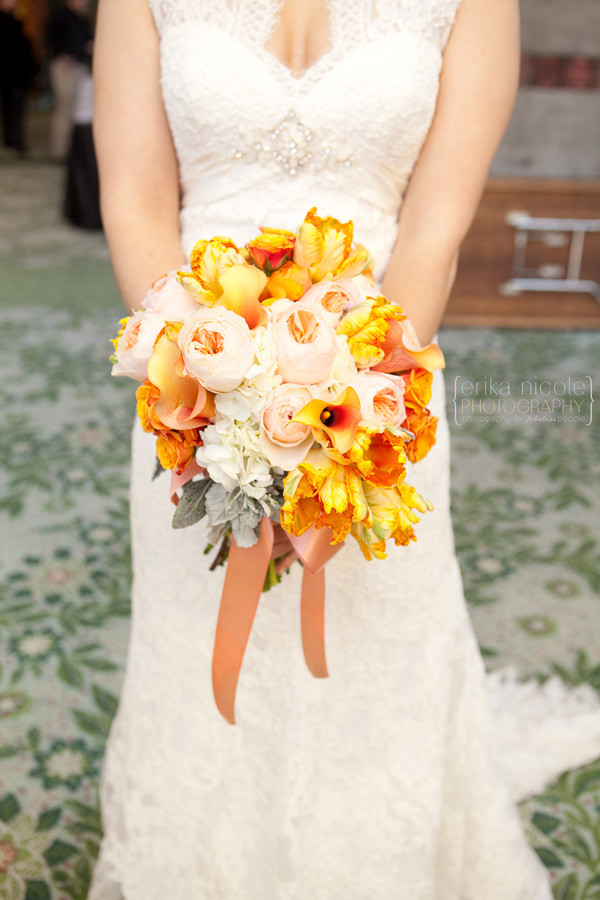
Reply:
x=343 y=135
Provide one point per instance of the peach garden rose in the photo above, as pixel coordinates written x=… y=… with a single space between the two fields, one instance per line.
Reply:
x=284 y=442
x=217 y=348
x=135 y=343
x=306 y=343
x=333 y=297
x=169 y=299
x=381 y=398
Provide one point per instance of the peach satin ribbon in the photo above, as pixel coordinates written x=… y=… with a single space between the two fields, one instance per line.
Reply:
x=244 y=581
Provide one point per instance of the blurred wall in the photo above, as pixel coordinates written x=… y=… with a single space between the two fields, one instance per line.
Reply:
x=555 y=128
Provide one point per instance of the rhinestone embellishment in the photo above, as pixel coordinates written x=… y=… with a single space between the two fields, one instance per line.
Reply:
x=291 y=146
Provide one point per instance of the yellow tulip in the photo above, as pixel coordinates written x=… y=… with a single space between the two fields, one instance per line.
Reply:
x=392 y=517
x=378 y=454
x=366 y=328
x=209 y=260
x=321 y=492
x=324 y=247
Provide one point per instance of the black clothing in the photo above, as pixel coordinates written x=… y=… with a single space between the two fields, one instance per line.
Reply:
x=69 y=34
x=82 y=196
x=17 y=68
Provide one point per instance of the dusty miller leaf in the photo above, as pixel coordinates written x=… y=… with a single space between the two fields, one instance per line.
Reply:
x=158 y=469
x=192 y=505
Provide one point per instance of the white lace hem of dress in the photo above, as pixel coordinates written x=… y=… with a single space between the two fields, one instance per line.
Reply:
x=540 y=731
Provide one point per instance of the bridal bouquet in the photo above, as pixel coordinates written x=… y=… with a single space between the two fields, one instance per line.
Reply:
x=283 y=386
x=287 y=385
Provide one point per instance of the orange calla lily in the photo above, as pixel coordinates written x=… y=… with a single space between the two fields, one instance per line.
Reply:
x=182 y=402
x=242 y=286
x=333 y=424
x=402 y=351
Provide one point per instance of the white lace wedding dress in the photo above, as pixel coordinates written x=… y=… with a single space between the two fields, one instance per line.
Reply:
x=379 y=782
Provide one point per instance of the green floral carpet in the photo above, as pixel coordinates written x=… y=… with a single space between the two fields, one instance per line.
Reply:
x=525 y=499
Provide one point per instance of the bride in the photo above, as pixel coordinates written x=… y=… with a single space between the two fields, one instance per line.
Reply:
x=381 y=781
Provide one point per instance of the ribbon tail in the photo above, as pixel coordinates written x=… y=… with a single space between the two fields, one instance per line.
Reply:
x=314 y=549
x=244 y=581
x=312 y=615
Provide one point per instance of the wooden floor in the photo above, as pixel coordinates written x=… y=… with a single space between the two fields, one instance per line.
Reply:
x=486 y=259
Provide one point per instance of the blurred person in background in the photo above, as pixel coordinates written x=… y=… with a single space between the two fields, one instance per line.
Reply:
x=82 y=192
x=17 y=69
x=69 y=36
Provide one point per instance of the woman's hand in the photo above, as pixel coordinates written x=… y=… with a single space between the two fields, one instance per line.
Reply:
x=283 y=552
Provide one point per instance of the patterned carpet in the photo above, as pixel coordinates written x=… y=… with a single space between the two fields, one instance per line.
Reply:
x=525 y=501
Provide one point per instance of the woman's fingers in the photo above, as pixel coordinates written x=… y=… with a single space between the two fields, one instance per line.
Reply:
x=286 y=561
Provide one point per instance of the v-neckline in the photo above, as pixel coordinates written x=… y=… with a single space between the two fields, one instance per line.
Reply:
x=298 y=75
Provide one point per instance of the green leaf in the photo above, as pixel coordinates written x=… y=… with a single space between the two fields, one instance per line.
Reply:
x=93 y=849
x=88 y=814
x=17 y=675
x=545 y=823
x=549 y=858
x=94 y=725
x=586 y=781
x=34 y=736
x=37 y=890
x=48 y=819
x=99 y=665
x=566 y=888
x=575 y=845
x=70 y=673
x=9 y=807
x=83 y=870
x=86 y=648
x=192 y=506
x=105 y=701
x=59 y=852
x=7 y=752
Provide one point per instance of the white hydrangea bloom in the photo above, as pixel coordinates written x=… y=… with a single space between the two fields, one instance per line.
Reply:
x=232 y=456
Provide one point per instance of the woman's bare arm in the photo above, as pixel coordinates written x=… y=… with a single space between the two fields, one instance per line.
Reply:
x=136 y=158
x=477 y=90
